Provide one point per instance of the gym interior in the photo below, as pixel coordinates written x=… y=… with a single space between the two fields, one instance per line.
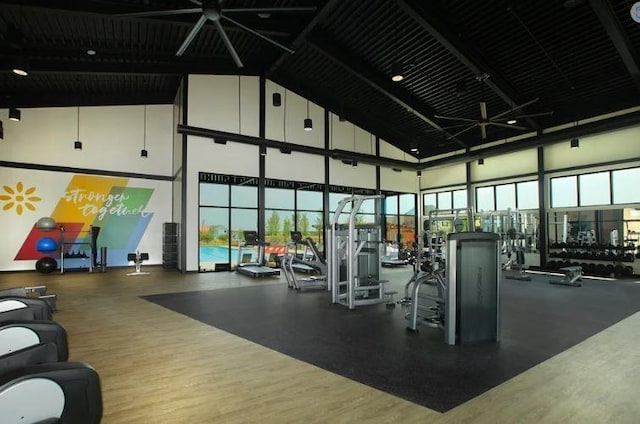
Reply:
x=246 y=252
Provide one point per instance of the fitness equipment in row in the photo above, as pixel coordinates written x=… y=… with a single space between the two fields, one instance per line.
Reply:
x=246 y=264
x=30 y=342
x=24 y=308
x=39 y=292
x=516 y=265
x=36 y=384
x=60 y=392
x=311 y=282
x=310 y=260
x=464 y=297
x=399 y=258
x=440 y=224
x=354 y=256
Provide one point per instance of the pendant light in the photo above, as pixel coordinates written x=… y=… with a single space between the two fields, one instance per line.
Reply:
x=143 y=152
x=77 y=144
x=14 y=114
x=308 y=123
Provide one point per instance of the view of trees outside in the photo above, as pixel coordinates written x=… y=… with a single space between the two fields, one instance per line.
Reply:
x=227 y=210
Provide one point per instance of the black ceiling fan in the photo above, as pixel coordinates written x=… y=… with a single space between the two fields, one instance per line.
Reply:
x=506 y=119
x=213 y=11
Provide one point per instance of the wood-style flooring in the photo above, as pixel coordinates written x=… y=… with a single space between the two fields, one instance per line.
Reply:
x=157 y=366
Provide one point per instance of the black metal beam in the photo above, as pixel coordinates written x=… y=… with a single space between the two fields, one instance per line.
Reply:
x=583 y=130
x=334 y=154
x=129 y=66
x=349 y=61
x=610 y=23
x=320 y=16
x=433 y=22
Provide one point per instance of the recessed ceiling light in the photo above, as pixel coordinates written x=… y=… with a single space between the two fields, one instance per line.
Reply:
x=414 y=149
x=511 y=121
x=91 y=52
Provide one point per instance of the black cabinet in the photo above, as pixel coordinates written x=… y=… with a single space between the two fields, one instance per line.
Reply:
x=170 y=245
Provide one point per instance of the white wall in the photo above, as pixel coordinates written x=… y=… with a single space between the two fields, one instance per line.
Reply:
x=404 y=181
x=443 y=176
x=286 y=122
x=505 y=166
x=224 y=102
x=363 y=175
x=112 y=137
x=294 y=167
x=617 y=145
x=203 y=155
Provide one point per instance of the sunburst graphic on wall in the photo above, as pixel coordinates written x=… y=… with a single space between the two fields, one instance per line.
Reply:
x=19 y=197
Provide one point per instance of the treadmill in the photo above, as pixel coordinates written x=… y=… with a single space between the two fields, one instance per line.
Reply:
x=245 y=264
x=299 y=265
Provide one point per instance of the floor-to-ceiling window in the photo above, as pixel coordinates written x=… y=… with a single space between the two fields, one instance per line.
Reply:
x=228 y=207
x=292 y=206
x=400 y=219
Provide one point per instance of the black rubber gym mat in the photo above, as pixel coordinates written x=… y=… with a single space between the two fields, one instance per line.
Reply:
x=370 y=344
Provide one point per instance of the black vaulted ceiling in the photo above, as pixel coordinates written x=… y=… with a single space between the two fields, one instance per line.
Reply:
x=579 y=58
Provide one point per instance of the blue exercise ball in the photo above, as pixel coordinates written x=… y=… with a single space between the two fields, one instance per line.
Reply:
x=46 y=224
x=46 y=244
x=46 y=265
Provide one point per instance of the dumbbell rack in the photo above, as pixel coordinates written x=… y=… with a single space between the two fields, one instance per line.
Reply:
x=604 y=260
x=65 y=243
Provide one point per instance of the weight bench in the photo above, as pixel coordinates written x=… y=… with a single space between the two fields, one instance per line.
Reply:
x=572 y=275
x=138 y=258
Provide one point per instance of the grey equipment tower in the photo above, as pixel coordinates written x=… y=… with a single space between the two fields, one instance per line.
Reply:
x=472 y=291
x=354 y=256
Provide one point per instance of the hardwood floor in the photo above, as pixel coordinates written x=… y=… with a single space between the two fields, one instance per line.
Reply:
x=157 y=366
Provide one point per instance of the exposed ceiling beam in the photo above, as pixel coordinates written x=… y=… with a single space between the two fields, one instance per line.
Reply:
x=609 y=21
x=380 y=83
x=146 y=66
x=320 y=16
x=434 y=23
x=333 y=153
x=589 y=129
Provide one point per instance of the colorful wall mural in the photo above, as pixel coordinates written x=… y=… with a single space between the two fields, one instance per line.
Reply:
x=121 y=208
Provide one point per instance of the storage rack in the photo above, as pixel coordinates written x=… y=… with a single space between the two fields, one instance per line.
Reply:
x=63 y=243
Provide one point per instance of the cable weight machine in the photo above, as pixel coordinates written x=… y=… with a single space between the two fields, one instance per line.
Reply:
x=354 y=256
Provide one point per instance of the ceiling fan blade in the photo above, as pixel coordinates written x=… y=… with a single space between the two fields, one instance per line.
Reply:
x=194 y=31
x=531 y=115
x=257 y=34
x=271 y=9
x=448 y=127
x=483 y=110
x=517 y=107
x=227 y=43
x=159 y=13
x=483 y=131
x=463 y=131
x=500 y=124
x=453 y=118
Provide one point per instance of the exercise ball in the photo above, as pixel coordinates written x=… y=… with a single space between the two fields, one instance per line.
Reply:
x=46 y=265
x=46 y=244
x=46 y=224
